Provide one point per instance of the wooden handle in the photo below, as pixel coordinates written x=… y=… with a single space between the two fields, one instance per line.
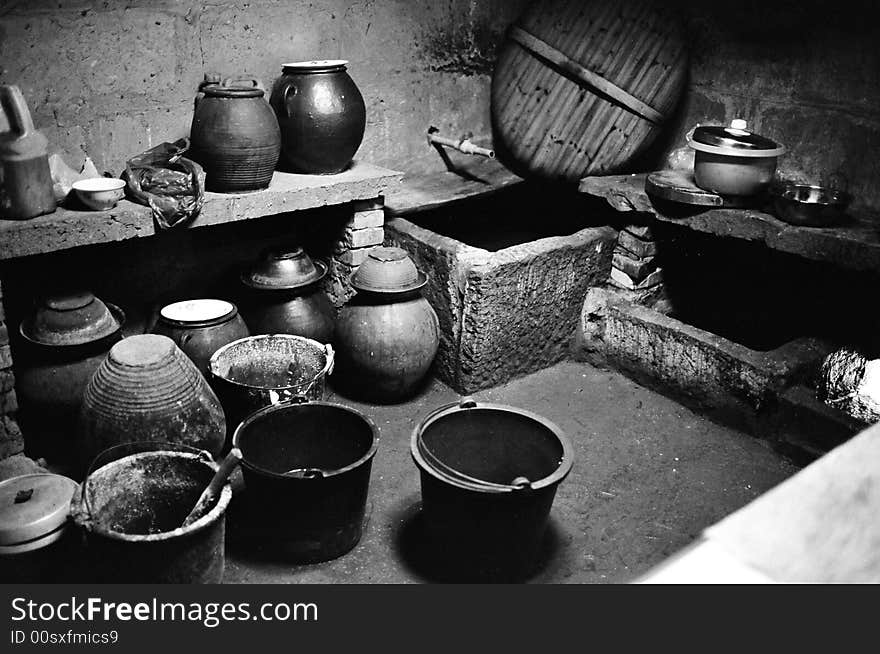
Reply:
x=538 y=47
x=215 y=486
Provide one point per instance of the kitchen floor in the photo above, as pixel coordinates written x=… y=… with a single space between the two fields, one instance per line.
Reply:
x=649 y=476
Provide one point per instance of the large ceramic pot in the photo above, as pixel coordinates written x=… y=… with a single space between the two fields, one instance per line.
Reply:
x=147 y=389
x=64 y=341
x=234 y=136
x=284 y=296
x=387 y=336
x=201 y=327
x=322 y=116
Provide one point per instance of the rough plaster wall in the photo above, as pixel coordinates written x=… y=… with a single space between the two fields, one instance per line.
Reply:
x=806 y=72
x=111 y=78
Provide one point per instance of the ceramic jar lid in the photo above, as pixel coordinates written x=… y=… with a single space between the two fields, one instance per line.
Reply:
x=284 y=270
x=735 y=140
x=388 y=270
x=314 y=66
x=72 y=319
x=33 y=511
x=197 y=313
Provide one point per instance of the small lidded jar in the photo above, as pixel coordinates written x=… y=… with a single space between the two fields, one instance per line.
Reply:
x=732 y=160
x=36 y=545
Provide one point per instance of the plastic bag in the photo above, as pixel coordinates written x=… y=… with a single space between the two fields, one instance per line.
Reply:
x=63 y=176
x=167 y=182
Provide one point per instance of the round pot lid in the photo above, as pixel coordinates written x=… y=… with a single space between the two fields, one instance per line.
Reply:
x=193 y=313
x=33 y=506
x=314 y=66
x=388 y=270
x=735 y=140
x=281 y=271
x=221 y=91
x=72 y=319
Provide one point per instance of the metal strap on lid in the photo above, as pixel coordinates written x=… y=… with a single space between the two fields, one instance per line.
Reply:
x=536 y=46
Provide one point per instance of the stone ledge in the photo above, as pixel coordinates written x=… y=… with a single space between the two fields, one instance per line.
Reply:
x=854 y=245
x=66 y=229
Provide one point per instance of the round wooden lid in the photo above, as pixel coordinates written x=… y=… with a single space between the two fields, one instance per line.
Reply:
x=582 y=87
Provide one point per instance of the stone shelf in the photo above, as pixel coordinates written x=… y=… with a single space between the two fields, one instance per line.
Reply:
x=854 y=245
x=65 y=228
x=475 y=179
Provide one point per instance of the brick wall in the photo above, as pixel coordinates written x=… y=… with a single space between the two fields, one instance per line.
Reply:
x=11 y=441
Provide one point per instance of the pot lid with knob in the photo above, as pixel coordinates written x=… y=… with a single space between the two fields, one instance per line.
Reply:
x=734 y=140
x=33 y=511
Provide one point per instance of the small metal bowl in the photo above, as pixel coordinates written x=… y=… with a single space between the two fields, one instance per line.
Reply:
x=809 y=205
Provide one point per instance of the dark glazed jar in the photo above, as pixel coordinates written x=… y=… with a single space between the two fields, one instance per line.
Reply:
x=201 y=327
x=64 y=341
x=387 y=335
x=322 y=116
x=234 y=136
x=284 y=296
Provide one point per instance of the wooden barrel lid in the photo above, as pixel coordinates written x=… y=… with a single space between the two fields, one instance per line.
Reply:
x=583 y=86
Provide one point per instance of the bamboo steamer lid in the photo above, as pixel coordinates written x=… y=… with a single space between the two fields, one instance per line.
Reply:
x=582 y=87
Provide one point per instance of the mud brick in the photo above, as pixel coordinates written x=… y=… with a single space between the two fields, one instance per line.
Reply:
x=639 y=247
x=8 y=402
x=369 y=205
x=640 y=231
x=620 y=278
x=361 y=238
x=5 y=357
x=7 y=380
x=365 y=219
x=637 y=269
x=354 y=257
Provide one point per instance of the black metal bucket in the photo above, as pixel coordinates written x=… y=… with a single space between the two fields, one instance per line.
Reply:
x=306 y=470
x=489 y=474
x=258 y=371
x=131 y=508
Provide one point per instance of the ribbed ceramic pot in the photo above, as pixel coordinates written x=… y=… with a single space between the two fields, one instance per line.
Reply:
x=235 y=137
x=148 y=390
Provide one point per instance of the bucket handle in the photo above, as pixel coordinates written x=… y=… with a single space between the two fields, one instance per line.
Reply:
x=331 y=359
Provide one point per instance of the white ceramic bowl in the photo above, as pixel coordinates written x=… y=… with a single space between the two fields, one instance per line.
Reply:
x=100 y=193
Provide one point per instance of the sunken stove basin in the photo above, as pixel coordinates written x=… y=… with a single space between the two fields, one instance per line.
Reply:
x=508 y=276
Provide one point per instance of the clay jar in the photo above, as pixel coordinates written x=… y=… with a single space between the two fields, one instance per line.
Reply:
x=387 y=336
x=234 y=136
x=201 y=327
x=284 y=296
x=65 y=340
x=147 y=389
x=322 y=116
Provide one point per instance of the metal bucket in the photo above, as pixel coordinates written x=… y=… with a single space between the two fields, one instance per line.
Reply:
x=259 y=371
x=489 y=474
x=306 y=470
x=131 y=506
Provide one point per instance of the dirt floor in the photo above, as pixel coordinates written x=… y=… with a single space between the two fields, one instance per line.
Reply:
x=649 y=476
